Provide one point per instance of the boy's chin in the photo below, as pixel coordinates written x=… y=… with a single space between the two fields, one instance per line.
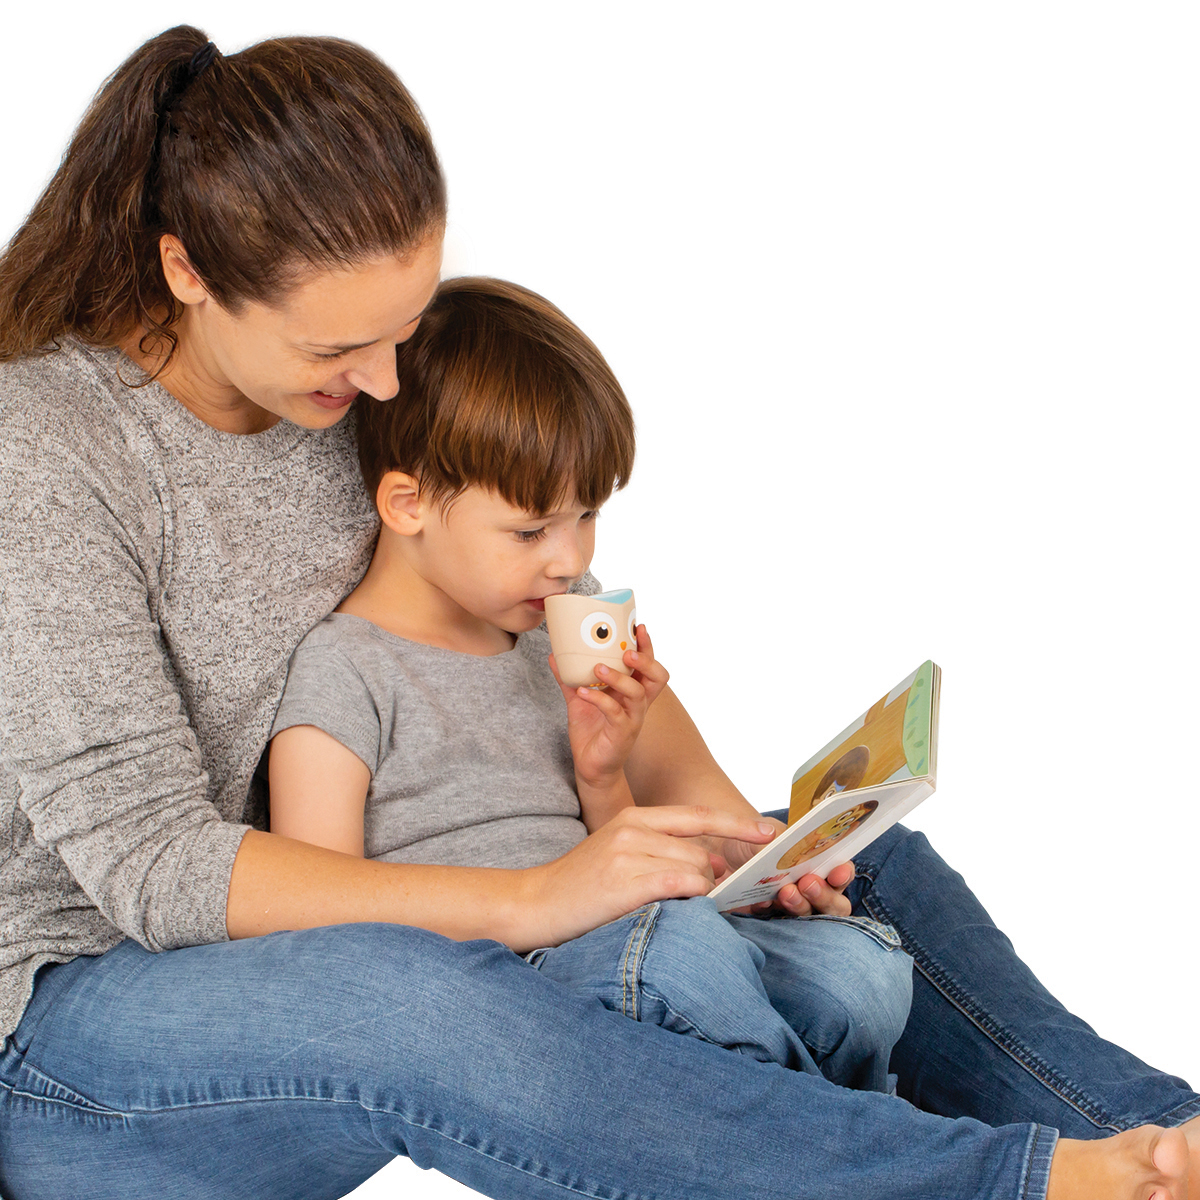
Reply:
x=523 y=622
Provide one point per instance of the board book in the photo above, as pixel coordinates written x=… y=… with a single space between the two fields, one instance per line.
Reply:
x=876 y=770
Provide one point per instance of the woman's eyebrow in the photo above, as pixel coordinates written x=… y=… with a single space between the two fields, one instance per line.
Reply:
x=364 y=345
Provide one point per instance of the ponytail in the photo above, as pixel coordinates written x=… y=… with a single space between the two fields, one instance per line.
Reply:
x=234 y=156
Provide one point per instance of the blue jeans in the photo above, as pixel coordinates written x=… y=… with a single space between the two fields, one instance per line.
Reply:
x=296 y=1065
x=827 y=995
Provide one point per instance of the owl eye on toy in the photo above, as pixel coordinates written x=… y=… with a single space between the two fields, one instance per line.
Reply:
x=586 y=631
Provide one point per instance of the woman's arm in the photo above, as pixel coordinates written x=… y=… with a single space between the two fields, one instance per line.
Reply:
x=639 y=856
x=670 y=764
x=93 y=724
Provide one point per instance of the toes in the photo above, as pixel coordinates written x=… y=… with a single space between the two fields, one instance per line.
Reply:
x=1170 y=1154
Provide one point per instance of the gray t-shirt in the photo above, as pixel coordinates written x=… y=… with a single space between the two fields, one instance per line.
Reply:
x=469 y=759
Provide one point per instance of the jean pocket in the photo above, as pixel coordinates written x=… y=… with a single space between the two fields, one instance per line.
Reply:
x=885 y=935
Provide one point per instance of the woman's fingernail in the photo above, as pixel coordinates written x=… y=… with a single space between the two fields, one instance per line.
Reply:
x=602 y=669
x=813 y=891
x=763 y=827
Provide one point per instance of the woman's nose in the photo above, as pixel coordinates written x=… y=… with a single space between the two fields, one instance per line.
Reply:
x=375 y=372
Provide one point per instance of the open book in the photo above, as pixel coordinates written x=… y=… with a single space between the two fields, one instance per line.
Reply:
x=876 y=770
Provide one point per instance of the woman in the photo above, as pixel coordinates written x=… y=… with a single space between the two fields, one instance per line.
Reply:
x=165 y=544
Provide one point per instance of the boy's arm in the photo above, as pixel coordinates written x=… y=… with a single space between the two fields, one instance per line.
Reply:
x=318 y=789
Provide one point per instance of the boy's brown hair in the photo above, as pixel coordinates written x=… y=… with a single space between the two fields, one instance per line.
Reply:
x=499 y=390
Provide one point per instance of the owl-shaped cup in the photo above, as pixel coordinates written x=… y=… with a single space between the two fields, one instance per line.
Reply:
x=588 y=630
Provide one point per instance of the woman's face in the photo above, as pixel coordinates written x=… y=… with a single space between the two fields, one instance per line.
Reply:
x=306 y=358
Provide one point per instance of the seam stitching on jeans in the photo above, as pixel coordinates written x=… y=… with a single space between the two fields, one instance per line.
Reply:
x=1029 y=1160
x=70 y=1095
x=74 y=1100
x=631 y=962
x=941 y=981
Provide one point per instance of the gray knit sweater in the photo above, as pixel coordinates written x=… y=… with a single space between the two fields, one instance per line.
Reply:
x=155 y=576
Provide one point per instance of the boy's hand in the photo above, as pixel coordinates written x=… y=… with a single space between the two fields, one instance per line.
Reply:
x=603 y=723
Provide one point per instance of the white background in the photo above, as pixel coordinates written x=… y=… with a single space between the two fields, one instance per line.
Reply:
x=905 y=300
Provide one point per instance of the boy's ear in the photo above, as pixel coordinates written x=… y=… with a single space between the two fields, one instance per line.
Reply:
x=398 y=499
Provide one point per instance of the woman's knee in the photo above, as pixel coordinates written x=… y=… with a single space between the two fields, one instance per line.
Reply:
x=833 y=978
x=872 y=990
x=694 y=960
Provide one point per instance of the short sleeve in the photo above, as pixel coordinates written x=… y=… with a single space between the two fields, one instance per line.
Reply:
x=325 y=689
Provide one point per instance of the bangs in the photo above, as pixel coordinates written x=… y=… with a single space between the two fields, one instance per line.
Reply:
x=499 y=390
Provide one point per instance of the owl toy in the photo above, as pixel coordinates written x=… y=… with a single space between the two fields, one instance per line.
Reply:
x=586 y=631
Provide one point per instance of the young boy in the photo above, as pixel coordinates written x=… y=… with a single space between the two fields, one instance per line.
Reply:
x=422 y=722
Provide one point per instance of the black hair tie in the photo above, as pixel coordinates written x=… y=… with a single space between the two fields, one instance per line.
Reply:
x=196 y=66
x=201 y=61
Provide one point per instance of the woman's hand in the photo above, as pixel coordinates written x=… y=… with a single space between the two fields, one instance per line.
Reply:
x=809 y=894
x=641 y=855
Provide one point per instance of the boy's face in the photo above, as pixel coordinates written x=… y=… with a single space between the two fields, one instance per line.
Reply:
x=499 y=563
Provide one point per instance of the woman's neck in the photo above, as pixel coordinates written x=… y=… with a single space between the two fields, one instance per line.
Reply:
x=196 y=383
x=396 y=597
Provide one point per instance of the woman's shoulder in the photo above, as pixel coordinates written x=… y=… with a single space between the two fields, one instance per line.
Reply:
x=62 y=396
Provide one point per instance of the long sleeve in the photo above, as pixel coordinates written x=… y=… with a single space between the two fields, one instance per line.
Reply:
x=155 y=576
x=92 y=723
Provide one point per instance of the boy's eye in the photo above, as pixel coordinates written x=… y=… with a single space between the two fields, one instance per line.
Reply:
x=531 y=535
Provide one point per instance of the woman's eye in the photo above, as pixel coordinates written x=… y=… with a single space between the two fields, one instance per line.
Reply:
x=335 y=354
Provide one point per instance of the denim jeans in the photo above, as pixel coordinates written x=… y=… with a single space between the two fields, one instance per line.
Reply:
x=822 y=994
x=296 y=1065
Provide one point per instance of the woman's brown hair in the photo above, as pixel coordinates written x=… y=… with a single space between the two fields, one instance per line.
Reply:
x=297 y=152
x=498 y=389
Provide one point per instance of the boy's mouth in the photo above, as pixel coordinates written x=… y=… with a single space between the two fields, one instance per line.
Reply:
x=540 y=605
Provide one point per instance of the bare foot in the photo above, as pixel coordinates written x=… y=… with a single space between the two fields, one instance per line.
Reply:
x=1147 y=1163
x=1191 y=1131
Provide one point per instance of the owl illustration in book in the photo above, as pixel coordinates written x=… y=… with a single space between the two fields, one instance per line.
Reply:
x=588 y=630
x=827 y=835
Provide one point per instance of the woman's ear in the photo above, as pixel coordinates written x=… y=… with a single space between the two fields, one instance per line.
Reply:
x=398 y=499
x=181 y=276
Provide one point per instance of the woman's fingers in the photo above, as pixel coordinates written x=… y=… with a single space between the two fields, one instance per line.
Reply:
x=698 y=820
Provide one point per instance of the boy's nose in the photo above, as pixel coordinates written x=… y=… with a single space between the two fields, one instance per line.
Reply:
x=375 y=373
x=568 y=562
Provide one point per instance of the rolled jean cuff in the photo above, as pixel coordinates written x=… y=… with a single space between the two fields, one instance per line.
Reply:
x=1042 y=1141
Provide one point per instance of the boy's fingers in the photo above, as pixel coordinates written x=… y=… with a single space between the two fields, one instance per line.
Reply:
x=626 y=685
x=598 y=698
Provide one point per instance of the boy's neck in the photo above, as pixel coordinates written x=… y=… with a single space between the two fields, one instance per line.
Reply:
x=396 y=597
